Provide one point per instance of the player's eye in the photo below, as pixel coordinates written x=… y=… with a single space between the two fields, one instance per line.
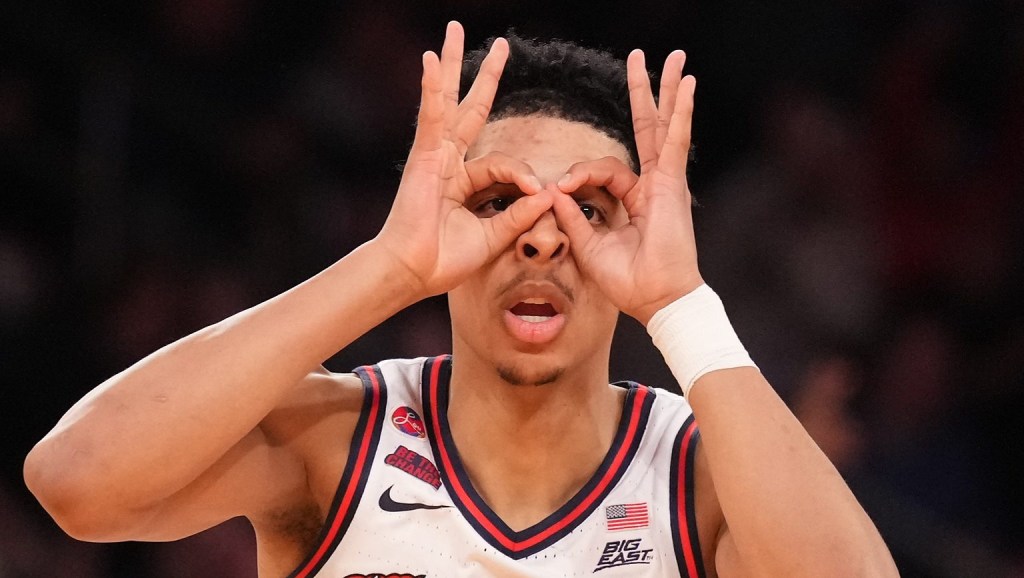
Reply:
x=493 y=206
x=592 y=213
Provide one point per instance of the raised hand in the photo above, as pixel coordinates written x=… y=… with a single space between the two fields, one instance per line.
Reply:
x=430 y=232
x=652 y=260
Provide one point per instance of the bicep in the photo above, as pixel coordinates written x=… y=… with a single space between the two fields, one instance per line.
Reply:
x=289 y=463
x=254 y=476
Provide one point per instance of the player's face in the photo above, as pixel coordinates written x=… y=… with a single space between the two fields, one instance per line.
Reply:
x=531 y=313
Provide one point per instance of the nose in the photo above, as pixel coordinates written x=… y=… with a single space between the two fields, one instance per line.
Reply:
x=543 y=242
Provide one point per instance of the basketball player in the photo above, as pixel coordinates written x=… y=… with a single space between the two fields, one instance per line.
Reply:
x=514 y=456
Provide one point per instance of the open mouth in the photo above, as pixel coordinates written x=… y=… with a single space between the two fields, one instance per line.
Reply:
x=533 y=310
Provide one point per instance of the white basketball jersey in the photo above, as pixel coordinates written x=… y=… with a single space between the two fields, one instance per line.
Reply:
x=405 y=506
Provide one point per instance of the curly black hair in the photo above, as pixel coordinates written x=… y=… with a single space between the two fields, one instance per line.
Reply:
x=560 y=79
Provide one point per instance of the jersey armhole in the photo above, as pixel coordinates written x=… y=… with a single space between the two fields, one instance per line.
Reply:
x=362 y=450
x=685 y=539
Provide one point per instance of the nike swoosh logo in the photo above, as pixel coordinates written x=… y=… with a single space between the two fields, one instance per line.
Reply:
x=388 y=504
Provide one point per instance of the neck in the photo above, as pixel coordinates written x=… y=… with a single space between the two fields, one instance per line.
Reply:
x=529 y=448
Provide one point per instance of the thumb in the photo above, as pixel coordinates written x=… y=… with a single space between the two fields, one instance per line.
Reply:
x=571 y=221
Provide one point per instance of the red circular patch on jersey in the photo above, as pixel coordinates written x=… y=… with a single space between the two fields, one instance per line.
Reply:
x=408 y=422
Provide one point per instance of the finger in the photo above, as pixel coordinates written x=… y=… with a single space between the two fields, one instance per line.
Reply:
x=507 y=225
x=430 y=118
x=641 y=103
x=451 y=68
x=475 y=108
x=608 y=172
x=498 y=167
x=667 y=93
x=571 y=221
x=677 y=141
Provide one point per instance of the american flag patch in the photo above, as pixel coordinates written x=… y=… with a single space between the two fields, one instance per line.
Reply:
x=626 y=516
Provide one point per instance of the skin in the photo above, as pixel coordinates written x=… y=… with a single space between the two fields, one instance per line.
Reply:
x=246 y=398
x=540 y=258
x=572 y=366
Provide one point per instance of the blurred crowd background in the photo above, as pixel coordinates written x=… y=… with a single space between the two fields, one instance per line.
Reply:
x=860 y=171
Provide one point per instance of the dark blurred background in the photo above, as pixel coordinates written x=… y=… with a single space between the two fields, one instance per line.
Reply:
x=860 y=167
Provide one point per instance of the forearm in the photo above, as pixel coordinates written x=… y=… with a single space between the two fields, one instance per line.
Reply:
x=788 y=510
x=173 y=414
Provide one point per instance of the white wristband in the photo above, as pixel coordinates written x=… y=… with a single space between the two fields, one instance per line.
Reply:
x=694 y=335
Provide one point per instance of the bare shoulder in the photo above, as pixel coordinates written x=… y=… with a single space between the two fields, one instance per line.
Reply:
x=315 y=423
x=318 y=398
